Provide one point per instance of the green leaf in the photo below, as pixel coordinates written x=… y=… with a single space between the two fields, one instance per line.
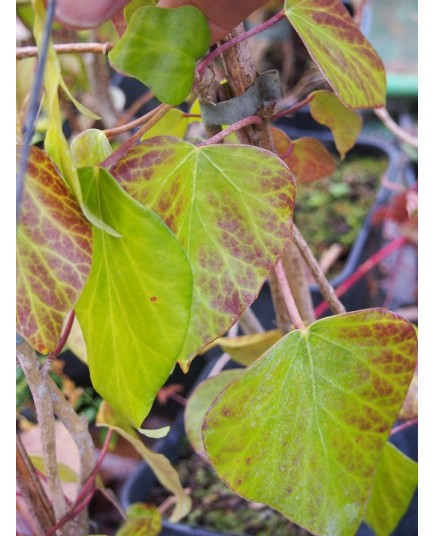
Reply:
x=90 y=148
x=394 y=485
x=247 y=348
x=198 y=404
x=302 y=429
x=161 y=47
x=66 y=474
x=53 y=253
x=174 y=123
x=135 y=308
x=344 y=123
x=342 y=53
x=229 y=206
x=156 y=433
x=159 y=464
x=132 y=6
x=307 y=158
x=142 y=520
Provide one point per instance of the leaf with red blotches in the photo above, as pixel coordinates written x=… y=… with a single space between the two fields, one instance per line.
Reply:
x=54 y=248
x=344 y=123
x=303 y=428
x=307 y=158
x=340 y=50
x=230 y=206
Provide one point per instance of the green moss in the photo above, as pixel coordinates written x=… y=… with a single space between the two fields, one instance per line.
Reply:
x=332 y=210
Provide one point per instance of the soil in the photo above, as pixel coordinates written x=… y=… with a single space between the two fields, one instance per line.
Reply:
x=217 y=508
x=332 y=210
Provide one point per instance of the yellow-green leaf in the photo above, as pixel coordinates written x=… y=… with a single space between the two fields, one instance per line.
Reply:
x=344 y=123
x=159 y=464
x=230 y=208
x=394 y=485
x=302 y=429
x=90 y=148
x=340 y=50
x=66 y=474
x=135 y=308
x=247 y=348
x=198 y=404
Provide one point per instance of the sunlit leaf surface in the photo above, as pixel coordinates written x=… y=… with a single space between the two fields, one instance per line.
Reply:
x=303 y=428
x=229 y=206
x=135 y=308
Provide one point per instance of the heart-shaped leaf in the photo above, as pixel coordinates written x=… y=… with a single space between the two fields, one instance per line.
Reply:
x=302 y=429
x=199 y=402
x=307 y=158
x=161 y=47
x=342 y=53
x=135 y=308
x=229 y=206
x=53 y=253
x=344 y=123
x=394 y=485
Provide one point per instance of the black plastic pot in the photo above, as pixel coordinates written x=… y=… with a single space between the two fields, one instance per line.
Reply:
x=400 y=173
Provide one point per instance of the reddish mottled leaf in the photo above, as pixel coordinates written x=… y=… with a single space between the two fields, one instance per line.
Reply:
x=344 y=123
x=303 y=428
x=229 y=206
x=307 y=158
x=342 y=53
x=409 y=408
x=53 y=253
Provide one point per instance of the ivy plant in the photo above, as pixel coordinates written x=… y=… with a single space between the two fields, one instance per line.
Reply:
x=160 y=241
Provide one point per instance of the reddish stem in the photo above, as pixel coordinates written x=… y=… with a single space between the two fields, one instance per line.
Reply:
x=292 y=109
x=192 y=115
x=70 y=515
x=250 y=120
x=362 y=270
x=62 y=341
x=221 y=49
x=87 y=491
x=403 y=426
x=288 y=297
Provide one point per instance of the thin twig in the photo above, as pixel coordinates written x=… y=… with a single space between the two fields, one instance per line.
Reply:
x=66 y=48
x=159 y=112
x=403 y=426
x=362 y=270
x=224 y=359
x=111 y=132
x=288 y=298
x=135 y=107
x=250 y=323
x=326 y=288
x=292 y=109
x=77 y=427
x=32 y=491
x=62 y=341
x=238 y=39
x=32 y=111
x=399 y=132
x=250 y=120
x=37 y=382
